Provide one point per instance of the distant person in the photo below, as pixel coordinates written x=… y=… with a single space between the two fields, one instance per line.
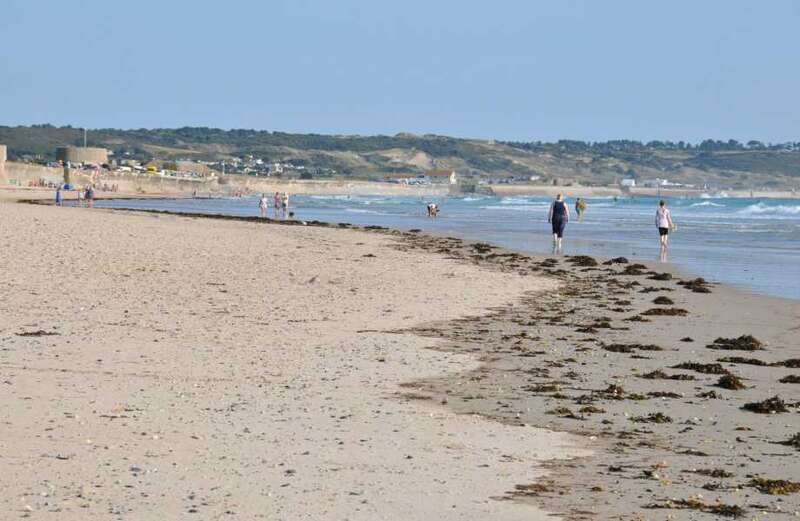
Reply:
x=90 y=196
x=433 y=210
x=558 y=217
x=59 y=196
x=580 y=208
x=80 y=196
x=277 y=202
x=664 y=223
x=285 y=205
x=263 y=205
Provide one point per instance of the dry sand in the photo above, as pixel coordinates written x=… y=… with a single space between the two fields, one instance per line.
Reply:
x=161 y=367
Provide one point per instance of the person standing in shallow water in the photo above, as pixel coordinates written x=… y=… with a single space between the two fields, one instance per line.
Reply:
x=263 y=205
x=664 y=223
x=558 y=217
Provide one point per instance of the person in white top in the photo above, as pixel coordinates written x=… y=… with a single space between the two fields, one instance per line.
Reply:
x=664 y=223
x=263 y=205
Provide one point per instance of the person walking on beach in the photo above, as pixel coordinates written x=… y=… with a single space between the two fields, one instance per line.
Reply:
x=263 y=205
x=276 y=202
x=285 y=204
x=558 y=217
x=90 y=196
x=59 y=196
x=664 y=223
x=580 y=207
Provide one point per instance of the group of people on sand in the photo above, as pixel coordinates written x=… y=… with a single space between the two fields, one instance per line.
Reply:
x=558 y=217
x=86 y=194
x=280 y=203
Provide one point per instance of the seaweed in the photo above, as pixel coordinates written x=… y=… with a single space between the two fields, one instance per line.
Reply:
x=790 y=379
x=616 y=260
x=582 y=260
x=720 y=509
x=542 y=388
x=615 y=392
x=656 y=417
x=634 y=269
x=793 y=363
x=660 y=276
x=698 y=285
x=663 y=301
x=591 y=409
x=687 y=339
x=732 y=382
x=630 y=348
x=774 y=487
x=39 y=332
x=742 y=343
x=702 y=368
x=664 y=394
x=772 y=405
x=658 y=374
x=666 y=312
x=712 y=473
x=742 y=360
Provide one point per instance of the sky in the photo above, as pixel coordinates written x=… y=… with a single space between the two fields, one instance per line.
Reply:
x=510 y=69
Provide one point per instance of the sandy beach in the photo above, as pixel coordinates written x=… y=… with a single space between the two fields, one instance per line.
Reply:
x=156 y=365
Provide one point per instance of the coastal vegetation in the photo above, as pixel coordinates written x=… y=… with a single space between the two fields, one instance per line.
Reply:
x=713 y=163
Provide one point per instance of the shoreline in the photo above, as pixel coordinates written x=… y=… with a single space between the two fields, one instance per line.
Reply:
x=683 y=270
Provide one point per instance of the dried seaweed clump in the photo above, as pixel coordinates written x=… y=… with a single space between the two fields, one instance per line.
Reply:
x=660 y=276
x=543 y=388
x=742 y=360
x=702 y=368
x=732 y=382
x=698 y=285
x=742 y=343
x=582 y=260
x=630 y=348
x=666 y=312
x=663 y=301
x=615 y=392
x=634 y=269
x=656 y=417
x=616 y=260
x=712 y=473
x=794 y=363
x=775 y=487
x=791 y=379
x=658 y=374
x=719 y=509
x=769 y=406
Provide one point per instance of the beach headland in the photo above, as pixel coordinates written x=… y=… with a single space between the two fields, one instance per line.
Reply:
x=625 y=356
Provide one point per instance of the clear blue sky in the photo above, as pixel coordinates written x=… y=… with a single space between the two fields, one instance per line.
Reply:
x=514 y=69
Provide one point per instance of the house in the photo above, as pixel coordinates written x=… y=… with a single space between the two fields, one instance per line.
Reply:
x=628 y=182
x=442 y=176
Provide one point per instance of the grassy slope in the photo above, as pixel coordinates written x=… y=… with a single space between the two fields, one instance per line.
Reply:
x=376 y=155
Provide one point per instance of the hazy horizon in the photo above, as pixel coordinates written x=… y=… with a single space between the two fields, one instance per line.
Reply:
x=519 y=71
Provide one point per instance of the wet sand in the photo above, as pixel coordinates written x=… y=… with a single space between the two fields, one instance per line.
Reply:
x=516 y=343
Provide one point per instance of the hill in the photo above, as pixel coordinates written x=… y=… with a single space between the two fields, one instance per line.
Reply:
x=718 y=164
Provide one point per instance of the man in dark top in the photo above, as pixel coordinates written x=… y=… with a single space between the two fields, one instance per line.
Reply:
x=558 y=217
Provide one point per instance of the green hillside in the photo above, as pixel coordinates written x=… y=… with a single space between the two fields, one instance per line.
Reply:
x=715 y=163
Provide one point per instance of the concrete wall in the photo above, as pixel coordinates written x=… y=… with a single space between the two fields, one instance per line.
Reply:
x=82 y=155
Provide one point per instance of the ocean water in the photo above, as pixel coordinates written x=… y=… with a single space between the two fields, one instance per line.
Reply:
x=750 y=243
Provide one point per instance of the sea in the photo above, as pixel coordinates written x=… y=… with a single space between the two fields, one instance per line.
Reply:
x=750 y=243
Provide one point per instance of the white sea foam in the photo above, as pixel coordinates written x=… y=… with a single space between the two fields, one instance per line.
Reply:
x=765 y=209
x=706 y=203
